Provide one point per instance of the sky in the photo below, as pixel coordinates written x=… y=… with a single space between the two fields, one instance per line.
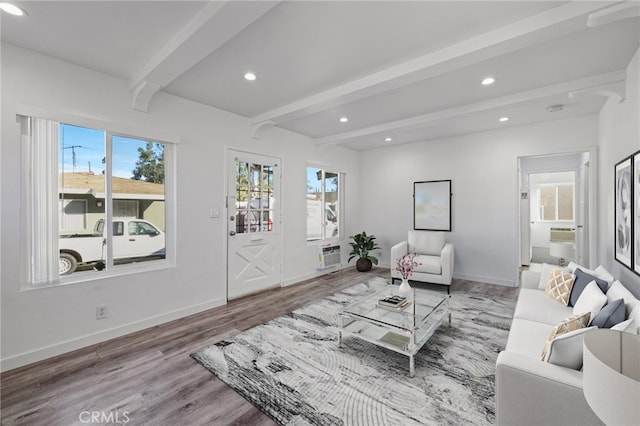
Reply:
x=89 y=147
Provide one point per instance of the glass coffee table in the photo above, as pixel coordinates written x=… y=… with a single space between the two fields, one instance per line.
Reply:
x=404 y=331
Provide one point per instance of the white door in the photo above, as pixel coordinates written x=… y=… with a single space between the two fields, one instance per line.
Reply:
x=254 y=244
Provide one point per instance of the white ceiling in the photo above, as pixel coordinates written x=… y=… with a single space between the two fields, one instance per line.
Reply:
x=406 y=70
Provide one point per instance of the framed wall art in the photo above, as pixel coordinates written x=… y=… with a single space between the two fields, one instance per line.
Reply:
x=635 y=209
x=432 y=205
x=623 y=211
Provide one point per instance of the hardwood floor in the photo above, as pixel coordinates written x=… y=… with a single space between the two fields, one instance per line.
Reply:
x=148 y=378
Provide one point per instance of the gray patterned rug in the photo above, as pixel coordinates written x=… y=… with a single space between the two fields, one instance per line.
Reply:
x=292 y=369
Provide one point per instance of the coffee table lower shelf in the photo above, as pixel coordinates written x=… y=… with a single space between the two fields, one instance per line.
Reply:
x=404 y=340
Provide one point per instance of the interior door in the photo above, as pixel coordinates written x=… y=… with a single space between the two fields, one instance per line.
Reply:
x=254 y=244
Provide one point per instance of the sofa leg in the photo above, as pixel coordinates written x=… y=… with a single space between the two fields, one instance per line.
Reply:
x=449 y=290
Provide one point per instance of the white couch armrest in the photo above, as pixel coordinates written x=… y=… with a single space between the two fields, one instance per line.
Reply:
x=532 y=392
x=530 y=279
x=397 y=251
x=447 y=258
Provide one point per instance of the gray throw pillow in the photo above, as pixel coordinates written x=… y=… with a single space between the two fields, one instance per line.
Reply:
x=610 y=315
x=582 y=279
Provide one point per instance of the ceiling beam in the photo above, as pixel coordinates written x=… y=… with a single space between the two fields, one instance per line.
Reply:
x=215 y=24
x=565 y=89
x=536 y=29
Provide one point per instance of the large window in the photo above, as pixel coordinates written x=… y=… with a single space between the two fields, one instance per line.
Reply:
x=556 y=202
x=323 y=204
x=80 y=179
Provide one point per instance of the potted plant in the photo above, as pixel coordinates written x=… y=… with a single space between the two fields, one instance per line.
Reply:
x=361 y=247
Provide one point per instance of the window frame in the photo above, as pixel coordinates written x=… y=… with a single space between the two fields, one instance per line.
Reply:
x=111 y=129
x=557 y=205
x=340 y=198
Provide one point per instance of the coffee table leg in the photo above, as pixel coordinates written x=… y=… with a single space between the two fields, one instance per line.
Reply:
x=412 y=366
x=339 y=339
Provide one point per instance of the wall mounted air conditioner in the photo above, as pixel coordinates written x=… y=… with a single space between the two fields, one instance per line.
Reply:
x=328 y=256
x=562 y=235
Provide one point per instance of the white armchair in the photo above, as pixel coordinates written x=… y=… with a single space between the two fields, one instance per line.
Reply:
x=433 y=253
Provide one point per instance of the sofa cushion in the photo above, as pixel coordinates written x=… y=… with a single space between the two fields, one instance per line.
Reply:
x=426 y=242
x=572 y=323
x=581 y=282
x=611 y=314
x=618 y=291
x=566 y=349
x=559 y=285
x=536 y=305
x=591 y=300
x=428 y=264
x=527 y=337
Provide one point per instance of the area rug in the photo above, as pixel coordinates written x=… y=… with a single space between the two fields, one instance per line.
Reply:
x=292 y=369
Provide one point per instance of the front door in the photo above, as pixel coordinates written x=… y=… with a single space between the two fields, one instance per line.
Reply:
x=254 y=244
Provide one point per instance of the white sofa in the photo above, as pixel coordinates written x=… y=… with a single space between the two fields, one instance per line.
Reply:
x=530 y=391
x=434 y=255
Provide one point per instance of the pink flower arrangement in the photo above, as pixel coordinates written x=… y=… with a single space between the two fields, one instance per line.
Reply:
x=405 y=265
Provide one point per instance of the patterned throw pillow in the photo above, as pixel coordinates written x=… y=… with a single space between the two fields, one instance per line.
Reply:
x=574 y=322
x=559 y=285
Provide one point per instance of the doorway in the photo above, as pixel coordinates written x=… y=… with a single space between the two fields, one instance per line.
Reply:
x=254 y=243
x=555 y=208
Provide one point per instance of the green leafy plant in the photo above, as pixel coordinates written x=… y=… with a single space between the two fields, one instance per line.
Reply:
x=361 y=247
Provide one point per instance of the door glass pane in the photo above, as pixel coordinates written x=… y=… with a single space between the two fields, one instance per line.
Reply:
x=81 y=186
x=138 y=199
x=254 y=197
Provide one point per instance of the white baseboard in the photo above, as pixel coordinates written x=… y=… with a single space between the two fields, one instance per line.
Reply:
x=40 y=354
x=313 y=274
x=487 y=280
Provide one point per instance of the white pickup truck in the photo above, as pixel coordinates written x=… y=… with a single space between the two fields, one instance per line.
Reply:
x=132 y=238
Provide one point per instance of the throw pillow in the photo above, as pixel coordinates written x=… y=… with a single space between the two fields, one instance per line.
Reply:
x=582 y=279
x=610 y=315
x=628 y=326
x=591 y=300
x=603 y=274
x=566 y=349
x=559 y=285
x=618 y=291
x=574 y=322
x=635 y=315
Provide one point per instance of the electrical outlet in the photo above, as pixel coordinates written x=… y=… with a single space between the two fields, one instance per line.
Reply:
x=101 y=311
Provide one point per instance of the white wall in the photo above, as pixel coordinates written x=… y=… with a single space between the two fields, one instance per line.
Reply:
x=41 y=323
x=619 y=138
x=484 y=173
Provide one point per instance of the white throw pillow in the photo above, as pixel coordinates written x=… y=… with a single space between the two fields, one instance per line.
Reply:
x=628 y=326
x=635 y=316
x=572 y=266
x=566 y=349
x=591 y=300
x=603 y=274
x=618 y=291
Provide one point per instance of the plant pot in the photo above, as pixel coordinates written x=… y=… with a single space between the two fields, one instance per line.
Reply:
x=363 y=265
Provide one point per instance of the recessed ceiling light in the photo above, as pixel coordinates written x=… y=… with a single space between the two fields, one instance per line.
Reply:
x=388 y=139
x=12 y=9
x=343 y=119
x=488 y=80
x=503 y=119
x=250 y=76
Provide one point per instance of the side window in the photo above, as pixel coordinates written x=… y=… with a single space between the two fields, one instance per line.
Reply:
x=118 y=229
x=323 y=204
